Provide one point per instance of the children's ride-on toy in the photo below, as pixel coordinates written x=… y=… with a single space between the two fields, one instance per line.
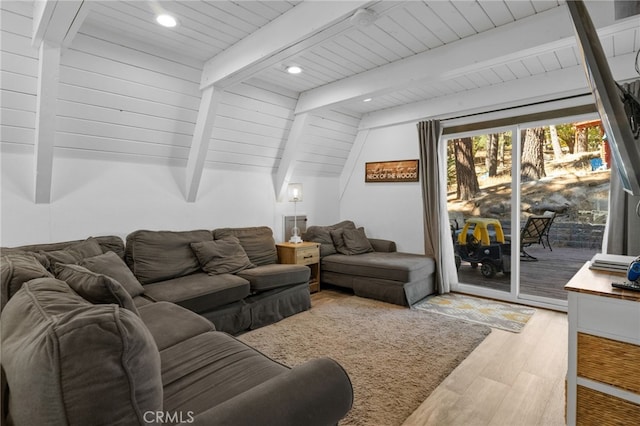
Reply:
x=477 y=244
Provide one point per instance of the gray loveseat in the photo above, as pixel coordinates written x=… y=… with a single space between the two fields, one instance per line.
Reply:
x=89 y=346
x=371 y=267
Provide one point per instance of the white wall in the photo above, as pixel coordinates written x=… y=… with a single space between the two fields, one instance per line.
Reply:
x=387 y=210
x=103 y=197
x=123 y=116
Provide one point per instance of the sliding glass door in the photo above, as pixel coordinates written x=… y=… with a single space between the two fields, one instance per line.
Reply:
x=479 y=200
x=564 y=191
x=527 y=206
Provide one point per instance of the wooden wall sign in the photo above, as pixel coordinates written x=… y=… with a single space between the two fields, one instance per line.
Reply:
x=391 y=171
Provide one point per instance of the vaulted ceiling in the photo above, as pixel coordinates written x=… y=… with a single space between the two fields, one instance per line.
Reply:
x=213 y=91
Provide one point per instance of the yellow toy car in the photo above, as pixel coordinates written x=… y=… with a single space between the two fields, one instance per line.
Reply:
x=481 y=242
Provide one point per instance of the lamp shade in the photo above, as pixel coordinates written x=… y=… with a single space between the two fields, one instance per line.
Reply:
x=294 y=191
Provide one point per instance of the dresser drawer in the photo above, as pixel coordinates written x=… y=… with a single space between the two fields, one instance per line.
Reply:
x=307 y=255
x=608 y=317
x=597 y=408
x=609 y=361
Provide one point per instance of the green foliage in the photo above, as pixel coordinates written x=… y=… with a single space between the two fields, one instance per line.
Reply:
x=566 y=133
x=594 y=138
x=566 y=136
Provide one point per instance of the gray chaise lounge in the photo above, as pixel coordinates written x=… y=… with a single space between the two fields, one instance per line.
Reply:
x=371 y=267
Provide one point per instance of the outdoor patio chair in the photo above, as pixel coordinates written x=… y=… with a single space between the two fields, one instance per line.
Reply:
x=545 y=233
x=535 y=231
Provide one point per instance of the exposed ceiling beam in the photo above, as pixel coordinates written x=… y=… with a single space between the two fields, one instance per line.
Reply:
x=515 y=40
x=538 y=88
x=352 y=160
x=57 y=21
x=305 y=25
x=287 y=164
x=200 y=143
x=45 y=131
x=55 y=24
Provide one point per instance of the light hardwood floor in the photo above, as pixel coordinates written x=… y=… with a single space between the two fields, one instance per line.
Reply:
x=509 y=379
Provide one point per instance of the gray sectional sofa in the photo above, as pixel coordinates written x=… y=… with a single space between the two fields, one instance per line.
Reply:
x=92 y=338
x=234 y=300
x=371 y=267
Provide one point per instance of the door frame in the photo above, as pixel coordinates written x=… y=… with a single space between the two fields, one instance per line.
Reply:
x=514 y=295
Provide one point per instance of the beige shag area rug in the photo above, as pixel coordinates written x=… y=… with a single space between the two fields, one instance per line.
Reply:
x=395 y=356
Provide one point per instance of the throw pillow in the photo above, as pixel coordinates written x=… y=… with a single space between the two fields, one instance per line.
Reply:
x=225 y=256
x=338 y=239
x=74 y=253
x=322 y=235
x=15 y=270
x=96 y=288
x=111 y=265
x=355 y=242
x=256 y=241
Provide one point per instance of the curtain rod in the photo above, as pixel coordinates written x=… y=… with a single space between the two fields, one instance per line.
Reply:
x=517 y=119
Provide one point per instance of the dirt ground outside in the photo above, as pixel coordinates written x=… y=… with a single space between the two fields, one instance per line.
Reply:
x=571 y=189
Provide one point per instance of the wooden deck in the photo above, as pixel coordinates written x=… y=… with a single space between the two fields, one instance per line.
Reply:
x=545 y=277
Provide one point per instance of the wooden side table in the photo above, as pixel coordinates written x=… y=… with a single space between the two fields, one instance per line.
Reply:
x=305 y=253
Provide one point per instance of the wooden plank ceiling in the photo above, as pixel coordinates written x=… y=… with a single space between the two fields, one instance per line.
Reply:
x=129 y=87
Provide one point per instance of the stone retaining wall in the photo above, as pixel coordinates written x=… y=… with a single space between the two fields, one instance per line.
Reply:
x=570 y=234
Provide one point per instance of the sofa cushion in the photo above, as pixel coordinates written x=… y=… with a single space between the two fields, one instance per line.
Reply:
x=225 y=256
x=220 y=365
x=111 y=265
x=183 y=323
x=355 y=242
x=50 y=338
x=106 y=242
x=322 y=235
x=74 y=253
x=257 y=242
x=155 y=256
x=142 y=300
x=95 y=288
x=266 y=277
x=396 y=266
x=200 y=292
x=16 y=269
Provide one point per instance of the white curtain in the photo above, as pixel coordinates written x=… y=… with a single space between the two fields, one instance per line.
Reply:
x=622 y=231
x=433 y=177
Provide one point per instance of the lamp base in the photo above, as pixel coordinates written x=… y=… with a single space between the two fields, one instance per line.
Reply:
x=295 y=239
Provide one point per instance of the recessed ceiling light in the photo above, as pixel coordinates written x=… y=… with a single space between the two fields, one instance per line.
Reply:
x=366 y=100
x=294 y=69
x=166 y=20
x=363 y=17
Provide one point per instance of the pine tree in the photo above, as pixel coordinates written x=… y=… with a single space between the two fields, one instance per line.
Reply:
x=467 y=180
x=491 y=160
x=532 y=166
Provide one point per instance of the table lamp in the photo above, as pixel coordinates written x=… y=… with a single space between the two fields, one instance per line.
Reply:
x=295 y=195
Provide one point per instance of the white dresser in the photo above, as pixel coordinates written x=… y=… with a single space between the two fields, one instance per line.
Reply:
x=603 y=375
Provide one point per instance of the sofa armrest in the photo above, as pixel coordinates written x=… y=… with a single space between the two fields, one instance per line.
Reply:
x=386 y=246
x=317 y=392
